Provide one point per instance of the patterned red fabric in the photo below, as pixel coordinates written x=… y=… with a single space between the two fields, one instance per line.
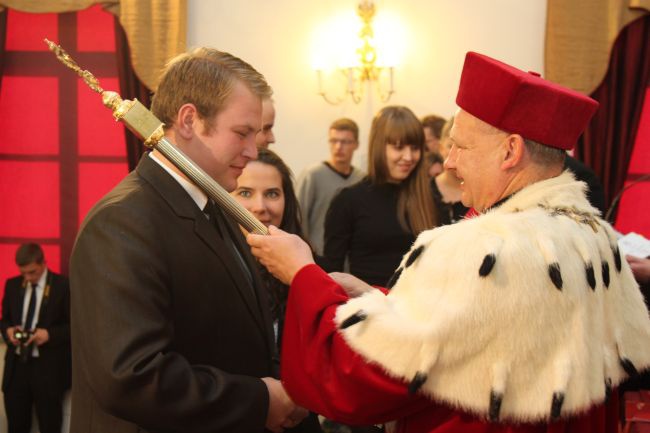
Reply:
x=321 y=372
x=523 y=103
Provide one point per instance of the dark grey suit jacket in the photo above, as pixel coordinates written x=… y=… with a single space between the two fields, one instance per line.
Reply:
x=167 y=335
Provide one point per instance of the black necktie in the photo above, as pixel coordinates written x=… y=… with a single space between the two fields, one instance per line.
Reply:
x=218 y=219
x=31 y=308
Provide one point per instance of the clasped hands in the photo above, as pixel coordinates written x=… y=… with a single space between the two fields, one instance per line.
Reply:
x=39 y=337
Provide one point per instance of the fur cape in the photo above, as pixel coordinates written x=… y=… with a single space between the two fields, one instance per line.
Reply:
x=526 y=313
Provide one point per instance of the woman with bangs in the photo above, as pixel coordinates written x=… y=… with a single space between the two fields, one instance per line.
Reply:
x=373 y=223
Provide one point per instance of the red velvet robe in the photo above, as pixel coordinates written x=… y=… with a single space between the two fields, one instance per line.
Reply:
x=321 y=372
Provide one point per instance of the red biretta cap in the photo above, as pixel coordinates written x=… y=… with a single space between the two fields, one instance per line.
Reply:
x=523 y=103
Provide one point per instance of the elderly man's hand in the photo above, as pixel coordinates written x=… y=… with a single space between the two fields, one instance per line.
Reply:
x=640 y=268
x=352 y=285
x=282 y=253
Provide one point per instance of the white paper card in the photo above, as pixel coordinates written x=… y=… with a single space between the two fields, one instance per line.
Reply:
x=634 y=244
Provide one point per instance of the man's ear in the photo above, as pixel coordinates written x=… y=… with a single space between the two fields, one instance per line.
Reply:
x=186 y=119
x=514 y=149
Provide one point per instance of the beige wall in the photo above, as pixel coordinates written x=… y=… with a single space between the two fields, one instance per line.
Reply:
x=275 y=36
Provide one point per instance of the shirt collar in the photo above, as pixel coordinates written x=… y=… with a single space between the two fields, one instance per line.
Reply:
x=199 y=197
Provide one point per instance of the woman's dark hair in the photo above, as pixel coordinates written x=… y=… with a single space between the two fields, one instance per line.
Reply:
x=291 y=223
x=291 y=217
x=397 y=124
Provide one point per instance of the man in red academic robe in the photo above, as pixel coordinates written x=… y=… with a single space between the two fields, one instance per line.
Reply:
x=521 y=319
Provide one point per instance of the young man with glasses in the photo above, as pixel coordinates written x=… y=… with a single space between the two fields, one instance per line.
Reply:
x=318 y=184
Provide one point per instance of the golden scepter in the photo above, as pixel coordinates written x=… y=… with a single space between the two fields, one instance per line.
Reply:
x=149 y=128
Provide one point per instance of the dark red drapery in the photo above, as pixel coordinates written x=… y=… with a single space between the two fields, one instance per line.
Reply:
x=608 y=142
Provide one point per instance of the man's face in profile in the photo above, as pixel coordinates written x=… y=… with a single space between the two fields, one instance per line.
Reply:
x=224 y=150
x=431 y=141
x=266 y=136
x=475 y=155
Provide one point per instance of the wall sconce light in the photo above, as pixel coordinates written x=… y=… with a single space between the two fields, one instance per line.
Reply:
x=365 y=69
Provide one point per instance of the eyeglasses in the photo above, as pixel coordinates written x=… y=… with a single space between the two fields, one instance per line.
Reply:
x=344 y=142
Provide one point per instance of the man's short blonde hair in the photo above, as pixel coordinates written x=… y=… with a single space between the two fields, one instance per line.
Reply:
x=345 y=124
x=204 y=77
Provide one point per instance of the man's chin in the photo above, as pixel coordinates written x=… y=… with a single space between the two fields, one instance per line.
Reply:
x=228 y=184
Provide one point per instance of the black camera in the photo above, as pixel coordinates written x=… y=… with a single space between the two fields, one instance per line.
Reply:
x=23 y=349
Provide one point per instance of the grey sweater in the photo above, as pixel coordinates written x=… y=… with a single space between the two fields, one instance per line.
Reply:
x=316 y=187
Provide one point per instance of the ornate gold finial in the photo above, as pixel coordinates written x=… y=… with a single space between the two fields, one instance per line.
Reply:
x=65 y=58
x=133 y=114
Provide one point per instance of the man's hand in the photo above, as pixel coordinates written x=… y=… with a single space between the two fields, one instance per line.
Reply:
x=352 y=285
x=640 y=268
x=282 y=253
x=283 y=412
x=39 y=337
x=11 y=334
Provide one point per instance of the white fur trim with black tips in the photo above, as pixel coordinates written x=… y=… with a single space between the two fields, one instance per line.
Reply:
x=497 y=315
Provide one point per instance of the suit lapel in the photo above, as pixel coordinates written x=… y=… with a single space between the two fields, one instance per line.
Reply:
x=185 y=207
x=208 y=234
x=263 y=303
x=45 y=299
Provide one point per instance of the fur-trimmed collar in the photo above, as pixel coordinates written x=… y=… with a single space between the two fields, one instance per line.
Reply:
x=553 y=192
x=526 y=313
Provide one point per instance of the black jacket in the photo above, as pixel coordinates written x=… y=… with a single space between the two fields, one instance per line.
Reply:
x=53 y=372
x=167 y=334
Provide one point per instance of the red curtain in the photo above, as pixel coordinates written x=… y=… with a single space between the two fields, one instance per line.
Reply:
x=3 y=34
x=60 y=148
x=608 y=142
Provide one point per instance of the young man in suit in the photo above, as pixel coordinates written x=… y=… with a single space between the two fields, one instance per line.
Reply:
x=36 y=326
x=170 y=325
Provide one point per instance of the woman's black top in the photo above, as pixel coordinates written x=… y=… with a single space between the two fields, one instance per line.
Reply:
x=362 y=225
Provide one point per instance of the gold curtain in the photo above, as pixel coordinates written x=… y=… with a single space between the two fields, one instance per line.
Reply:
x=580 y=35
x=155 y=29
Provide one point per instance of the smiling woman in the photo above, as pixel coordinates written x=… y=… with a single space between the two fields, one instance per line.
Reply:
x=265 y=188
x=259 y=189
x=373 y=223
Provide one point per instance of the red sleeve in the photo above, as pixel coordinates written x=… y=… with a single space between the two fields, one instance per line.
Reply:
x=321 y=372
